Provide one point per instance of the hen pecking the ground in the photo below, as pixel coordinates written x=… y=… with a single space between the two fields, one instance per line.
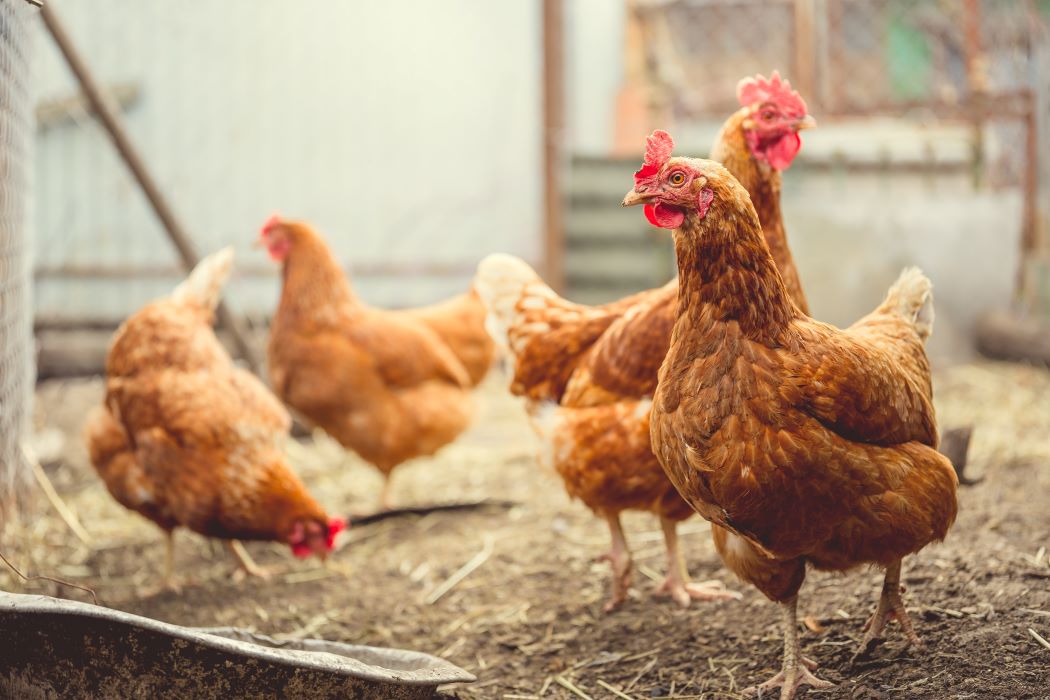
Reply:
x=186 y=438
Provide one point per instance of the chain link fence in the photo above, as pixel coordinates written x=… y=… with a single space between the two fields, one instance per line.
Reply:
x=965 y=83
x=16 y=344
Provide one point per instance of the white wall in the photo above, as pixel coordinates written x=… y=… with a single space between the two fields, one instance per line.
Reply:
x=408 y=131
x=594 y=72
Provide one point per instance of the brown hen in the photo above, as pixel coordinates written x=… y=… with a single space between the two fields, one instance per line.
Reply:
x=384 y=384
x=803 y=443
x=186 y=438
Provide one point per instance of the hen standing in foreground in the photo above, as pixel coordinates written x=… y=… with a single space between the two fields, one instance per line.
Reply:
x=385 y=384
x=802 y=442
x=187 y=438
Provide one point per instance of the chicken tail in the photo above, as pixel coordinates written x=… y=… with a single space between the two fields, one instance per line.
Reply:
x=506 y=284
x=204 y=284
x=911 y=297
x=545 y=417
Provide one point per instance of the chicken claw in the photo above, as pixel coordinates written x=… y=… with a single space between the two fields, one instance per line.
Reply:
x=677 y=584
x=789 y=681
x=684 y=592
x=891 y=606
x=797 y=669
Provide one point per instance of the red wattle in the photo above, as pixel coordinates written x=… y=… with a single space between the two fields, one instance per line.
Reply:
x=335 y=526
x=782 y=152
x=664 y=215
x=278 y=249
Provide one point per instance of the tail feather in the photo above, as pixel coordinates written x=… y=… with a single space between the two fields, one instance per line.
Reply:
x=203 y=286
x=546 y=417
x=508 y=286
x=911 y=297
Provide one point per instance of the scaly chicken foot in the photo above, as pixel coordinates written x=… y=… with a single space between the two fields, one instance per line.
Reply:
x=797 y=669
x=246 y=566
x=891 y=606
x=619 y=558
x=677 y=584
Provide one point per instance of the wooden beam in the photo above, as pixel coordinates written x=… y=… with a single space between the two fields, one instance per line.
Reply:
x=109 y=116
x=251 y=271
x=553 y=138
x=804 y=77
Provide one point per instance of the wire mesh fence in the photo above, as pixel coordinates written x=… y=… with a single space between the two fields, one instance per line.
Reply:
x=967 y=80
x=973 y=60
x=16 y=344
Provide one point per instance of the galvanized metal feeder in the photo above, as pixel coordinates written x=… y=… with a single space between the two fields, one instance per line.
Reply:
x=54 y=648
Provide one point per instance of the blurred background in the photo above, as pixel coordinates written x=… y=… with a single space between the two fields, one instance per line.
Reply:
x=418 y=155
x=420 y=136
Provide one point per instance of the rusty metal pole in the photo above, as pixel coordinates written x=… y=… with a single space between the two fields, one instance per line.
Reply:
x=553 y=137
x=111 y=121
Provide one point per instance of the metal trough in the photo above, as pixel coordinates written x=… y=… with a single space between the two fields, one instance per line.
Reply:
x=54 y=648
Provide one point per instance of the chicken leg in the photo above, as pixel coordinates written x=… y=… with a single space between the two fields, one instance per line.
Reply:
x=169 y=561
x=385 y=499
x=891 y=606
x=797 y=669
x=677 y=584
x=246 y=565
x=619 y=558
x=168 y=584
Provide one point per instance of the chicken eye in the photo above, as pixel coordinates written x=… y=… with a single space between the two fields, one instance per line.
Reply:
x=768 y=114
x=677 y=179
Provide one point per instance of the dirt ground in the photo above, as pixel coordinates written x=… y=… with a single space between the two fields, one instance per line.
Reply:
x=528 y=622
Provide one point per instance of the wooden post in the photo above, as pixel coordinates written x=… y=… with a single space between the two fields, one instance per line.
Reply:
x=111 y=121
x=977 y=80
x=1030 y=247
x=804 y=78
x=1037 y=166
x=553 y=138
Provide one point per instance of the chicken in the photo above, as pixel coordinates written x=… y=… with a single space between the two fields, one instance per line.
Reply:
x=601 y=451
x=382 y=383
x=755 y=144
x=800 y=442
x=186 y=438
x=460 y=323
x=554 y=336
x=601 y=363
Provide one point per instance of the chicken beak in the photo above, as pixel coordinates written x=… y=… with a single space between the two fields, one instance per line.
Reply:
x=806 y=122
x=634 y=198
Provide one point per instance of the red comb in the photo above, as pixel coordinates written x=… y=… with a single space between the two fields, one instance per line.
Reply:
x=658 y=148
x=274 y=220
x=756 y=90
